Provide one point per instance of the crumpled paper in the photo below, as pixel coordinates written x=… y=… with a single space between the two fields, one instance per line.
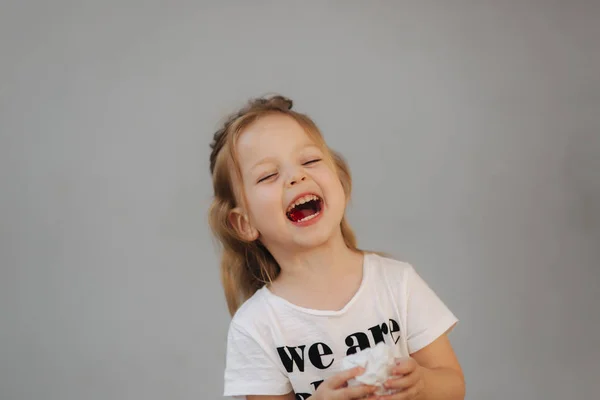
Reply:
x=377 y=362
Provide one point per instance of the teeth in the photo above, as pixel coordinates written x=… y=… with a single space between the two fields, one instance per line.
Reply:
x=309 y=217
x=302 y=200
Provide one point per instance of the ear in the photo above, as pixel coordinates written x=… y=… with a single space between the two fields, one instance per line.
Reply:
x=241 y=223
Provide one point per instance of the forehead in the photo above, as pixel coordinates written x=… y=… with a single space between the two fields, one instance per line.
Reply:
x=270 y=136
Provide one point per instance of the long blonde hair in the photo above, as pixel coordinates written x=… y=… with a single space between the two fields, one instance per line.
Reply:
x=247 y=266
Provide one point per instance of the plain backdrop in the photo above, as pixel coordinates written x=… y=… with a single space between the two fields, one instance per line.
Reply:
x=472 y=129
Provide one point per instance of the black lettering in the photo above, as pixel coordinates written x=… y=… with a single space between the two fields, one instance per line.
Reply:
x=316 y=352
x=378 y=331
x=316 y=384
x=302 y=396
x=394 y=327
x=288 y=362
x=362 y=342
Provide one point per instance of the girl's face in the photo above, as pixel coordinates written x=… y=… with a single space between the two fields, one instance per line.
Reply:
x=294 y=196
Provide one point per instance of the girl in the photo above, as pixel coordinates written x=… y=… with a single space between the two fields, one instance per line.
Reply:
x=301 y=293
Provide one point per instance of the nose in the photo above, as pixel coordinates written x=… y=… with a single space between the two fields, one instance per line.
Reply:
x=296 y=177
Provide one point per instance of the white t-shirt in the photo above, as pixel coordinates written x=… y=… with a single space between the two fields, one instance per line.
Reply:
x=275 y=347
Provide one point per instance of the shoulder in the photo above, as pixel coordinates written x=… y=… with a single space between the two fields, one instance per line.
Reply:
x=397 y=276
x=252 y=317
x=389 y=268
x=252 y=366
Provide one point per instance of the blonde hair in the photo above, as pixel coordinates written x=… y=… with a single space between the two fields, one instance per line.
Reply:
x=247 y=265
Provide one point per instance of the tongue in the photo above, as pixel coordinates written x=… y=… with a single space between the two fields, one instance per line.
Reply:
x=298 y=213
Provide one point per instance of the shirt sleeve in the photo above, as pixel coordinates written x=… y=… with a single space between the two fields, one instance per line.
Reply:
x=427 y=316
x=250 y=368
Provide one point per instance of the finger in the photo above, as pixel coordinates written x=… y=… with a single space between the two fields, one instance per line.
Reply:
x=403 y=382
x=357 y=392
x=340 y=379
x=405 y=366
x=404 y=395
x=373 y=397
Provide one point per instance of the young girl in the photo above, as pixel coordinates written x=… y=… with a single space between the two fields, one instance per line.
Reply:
x=302 y=295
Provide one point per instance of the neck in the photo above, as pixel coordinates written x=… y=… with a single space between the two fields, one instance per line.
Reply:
x=319 y=265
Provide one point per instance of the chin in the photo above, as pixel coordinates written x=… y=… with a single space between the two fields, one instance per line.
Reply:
x=314 y=240
x=321 y=235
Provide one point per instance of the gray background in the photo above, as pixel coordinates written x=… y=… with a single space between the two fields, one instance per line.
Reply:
x=473 y=133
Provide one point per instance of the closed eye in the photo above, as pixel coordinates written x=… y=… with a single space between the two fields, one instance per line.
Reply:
x=266 y=177
x=312 y=161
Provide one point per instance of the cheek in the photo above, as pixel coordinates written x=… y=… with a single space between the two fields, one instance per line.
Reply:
x=264 y=199
x=332 y=184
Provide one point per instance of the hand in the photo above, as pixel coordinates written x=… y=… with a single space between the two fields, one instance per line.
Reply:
x=336 y=387
x=407 y=380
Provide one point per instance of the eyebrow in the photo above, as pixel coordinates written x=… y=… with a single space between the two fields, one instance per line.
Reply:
x=261 y=162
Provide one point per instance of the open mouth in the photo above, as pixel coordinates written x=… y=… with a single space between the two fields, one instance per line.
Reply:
x=304 y=208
